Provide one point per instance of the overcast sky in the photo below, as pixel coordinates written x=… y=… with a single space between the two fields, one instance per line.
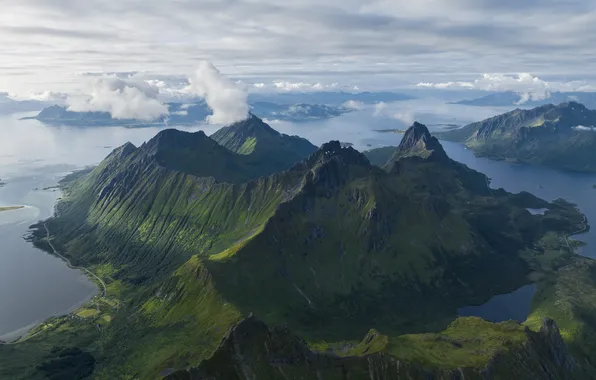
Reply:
x=51 y=44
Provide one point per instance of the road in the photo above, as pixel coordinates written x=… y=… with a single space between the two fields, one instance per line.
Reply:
x=584 y=228
x=103 y=284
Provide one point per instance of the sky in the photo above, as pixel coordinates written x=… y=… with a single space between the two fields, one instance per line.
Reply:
x=54 y=46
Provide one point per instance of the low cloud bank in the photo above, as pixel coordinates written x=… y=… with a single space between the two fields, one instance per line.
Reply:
x=137 y=97
x=526 y=85
x=123 y=98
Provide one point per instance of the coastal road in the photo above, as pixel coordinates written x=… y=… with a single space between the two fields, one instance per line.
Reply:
x=103 y=284
x=55 y=252
x=584 y=229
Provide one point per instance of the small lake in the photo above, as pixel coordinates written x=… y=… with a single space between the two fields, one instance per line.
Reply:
x=514 y=306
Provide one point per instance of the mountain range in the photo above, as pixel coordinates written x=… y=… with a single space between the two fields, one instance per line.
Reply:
x=510 y=98
x=560 y=136
x=190 y=114
x=9 y=105
x=336 y=98
x=255 y=255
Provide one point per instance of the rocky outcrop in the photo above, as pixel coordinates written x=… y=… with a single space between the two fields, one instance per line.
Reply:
x=251 y=350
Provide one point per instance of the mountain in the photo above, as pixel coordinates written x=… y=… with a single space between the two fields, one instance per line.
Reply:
x=510 y=98
x=189 y=114
x=300 y=112
x=560 y=136
x=265 y=145
x=334 y=248
x=9 y=105
x=251 y=349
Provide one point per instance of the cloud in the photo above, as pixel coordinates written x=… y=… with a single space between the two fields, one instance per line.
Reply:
x=304 y=86
x=379 y=108
x=583 y=128
x=374 y=43
x=406 y=117
x=45 y=96
x=123 y=98
x=227 y=100
x=354 y=104
x=528 y=86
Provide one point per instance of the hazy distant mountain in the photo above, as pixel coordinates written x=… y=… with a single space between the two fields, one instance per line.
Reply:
x=511 y=98
x=8 y=105
x=562 y=136
x=328 y=97
x=183 y=114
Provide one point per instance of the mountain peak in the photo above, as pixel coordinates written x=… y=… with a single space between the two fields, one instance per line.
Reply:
x=253 y=126
x=418 y=141
x=175 y=139
x=347 y=155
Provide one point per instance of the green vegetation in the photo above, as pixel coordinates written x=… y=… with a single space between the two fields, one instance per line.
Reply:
x=555 y=136
x=327 y=248
x=263 y=145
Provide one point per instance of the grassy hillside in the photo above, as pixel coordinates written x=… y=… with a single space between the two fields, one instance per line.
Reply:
x=264 y=145
x=332 y=248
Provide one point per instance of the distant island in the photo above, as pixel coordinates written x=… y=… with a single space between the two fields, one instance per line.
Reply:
x=393 y=130
x=559 y=136
x=190 y=114
x=511 y=98
x=10 y=208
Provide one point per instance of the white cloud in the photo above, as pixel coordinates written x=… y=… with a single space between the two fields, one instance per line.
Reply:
x=259 y=85
x=528 y=86
x=45 y=96
x=386 y=42
x=227 y=99
x=354 y=104
x=379 y=108
x=128 y=98
x=583 y=128
x=406 y=117
x=304 y=86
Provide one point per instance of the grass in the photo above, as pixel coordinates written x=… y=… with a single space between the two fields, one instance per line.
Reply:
x=570 y=299
x=88 y=313
x=467 y=342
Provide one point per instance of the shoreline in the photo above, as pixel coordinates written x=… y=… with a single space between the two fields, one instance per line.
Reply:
x=72 y=310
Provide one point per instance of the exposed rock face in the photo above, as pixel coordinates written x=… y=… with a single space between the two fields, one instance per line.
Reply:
x=251 y=350
x=558 y=350
x=417 y=141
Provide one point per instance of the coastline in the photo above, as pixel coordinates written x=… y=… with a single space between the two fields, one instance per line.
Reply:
x=24 y=333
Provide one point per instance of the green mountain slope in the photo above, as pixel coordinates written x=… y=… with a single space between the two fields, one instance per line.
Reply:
x=258 y=140
x=252 y=350
x=560 y=136
x=331 y=247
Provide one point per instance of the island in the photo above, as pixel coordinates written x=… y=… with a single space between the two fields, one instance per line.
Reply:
x=515 y=99
x=559 y=136
x=190 y=114
x=10 y=208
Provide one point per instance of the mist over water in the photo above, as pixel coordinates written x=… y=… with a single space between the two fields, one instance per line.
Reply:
x=35 y=285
